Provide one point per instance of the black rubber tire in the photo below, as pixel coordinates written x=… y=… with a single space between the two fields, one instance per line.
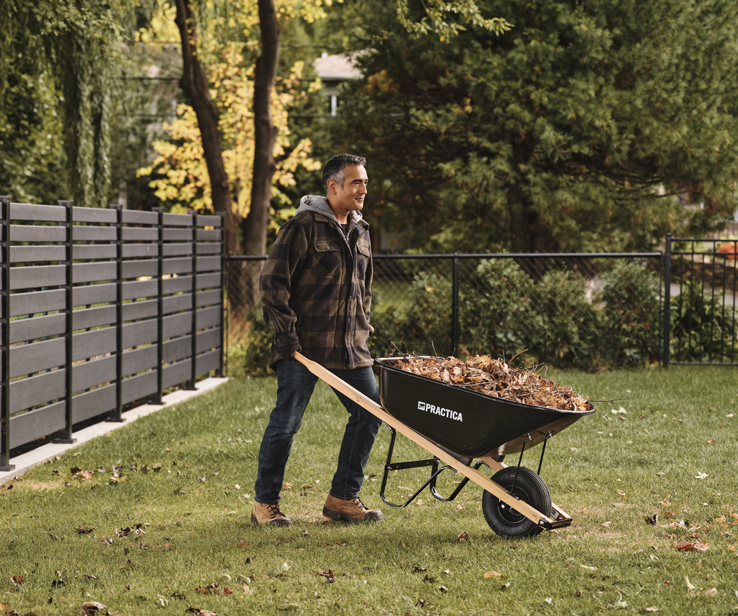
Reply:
x=529 y=488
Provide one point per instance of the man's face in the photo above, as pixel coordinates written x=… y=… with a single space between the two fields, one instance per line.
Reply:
x=350 y=196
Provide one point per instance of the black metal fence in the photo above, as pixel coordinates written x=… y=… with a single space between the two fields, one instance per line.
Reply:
x=700 y=280
x=101 y=308
x=566 y=310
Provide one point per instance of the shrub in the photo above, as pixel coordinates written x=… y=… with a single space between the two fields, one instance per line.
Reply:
x=630 y=315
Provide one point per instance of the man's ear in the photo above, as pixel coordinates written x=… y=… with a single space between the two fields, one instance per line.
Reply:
x=331 y=185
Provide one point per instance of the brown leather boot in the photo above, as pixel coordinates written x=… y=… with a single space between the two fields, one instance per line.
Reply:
x=350 y=510
x=269 y=513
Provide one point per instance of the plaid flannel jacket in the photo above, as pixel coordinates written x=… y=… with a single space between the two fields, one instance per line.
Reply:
x=316 y=288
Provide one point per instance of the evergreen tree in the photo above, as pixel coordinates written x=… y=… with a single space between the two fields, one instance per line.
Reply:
x=575 y=130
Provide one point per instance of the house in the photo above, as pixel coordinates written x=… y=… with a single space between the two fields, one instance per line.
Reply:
x=333 y=70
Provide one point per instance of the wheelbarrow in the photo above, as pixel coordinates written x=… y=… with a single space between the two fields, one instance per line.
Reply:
x=457 y=426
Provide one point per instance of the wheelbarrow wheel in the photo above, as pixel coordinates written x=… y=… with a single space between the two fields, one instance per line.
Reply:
x=529 y=488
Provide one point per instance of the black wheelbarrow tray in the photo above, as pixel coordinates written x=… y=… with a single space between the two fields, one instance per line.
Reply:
x=457 y=426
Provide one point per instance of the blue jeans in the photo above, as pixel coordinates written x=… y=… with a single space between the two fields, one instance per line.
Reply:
x=295 y=384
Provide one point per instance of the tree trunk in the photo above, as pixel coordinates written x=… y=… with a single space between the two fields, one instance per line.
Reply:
x=194 y=82
x=265 y=133
x=254 y=226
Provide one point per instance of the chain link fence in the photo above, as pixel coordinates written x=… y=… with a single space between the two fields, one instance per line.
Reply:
x=585 y=311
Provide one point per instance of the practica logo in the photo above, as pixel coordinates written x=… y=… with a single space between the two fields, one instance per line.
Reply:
x=439 y=410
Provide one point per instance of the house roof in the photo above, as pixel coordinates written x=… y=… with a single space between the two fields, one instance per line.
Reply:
x=336 y=67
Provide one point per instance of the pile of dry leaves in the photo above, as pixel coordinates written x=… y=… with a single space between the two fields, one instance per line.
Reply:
x=495 y=378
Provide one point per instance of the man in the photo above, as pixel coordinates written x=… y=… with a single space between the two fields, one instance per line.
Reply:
x=316 y=292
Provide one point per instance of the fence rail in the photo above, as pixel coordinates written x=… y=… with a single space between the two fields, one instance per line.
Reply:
x=101 y=308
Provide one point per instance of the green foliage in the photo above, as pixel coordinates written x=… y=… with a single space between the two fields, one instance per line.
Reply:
x=631 y=315
x=251 y=353
x=573 y=131
x=504 y=310
x=62 y=73
x=703 y=328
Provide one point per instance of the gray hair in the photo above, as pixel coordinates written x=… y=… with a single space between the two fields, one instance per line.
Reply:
x=335 y=168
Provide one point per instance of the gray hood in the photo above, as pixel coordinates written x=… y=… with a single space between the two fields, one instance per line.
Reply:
x=315 y=203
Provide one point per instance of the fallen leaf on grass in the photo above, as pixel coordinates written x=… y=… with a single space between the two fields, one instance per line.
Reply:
x=652 y=520
x=84 y=474
x=665 y=502
x=92 y=607
x=277 y=571
x=462 y=537
x=328 y=575
x=84 y=531
x=213 y=589
x=689 y=545
x=711 y=442
x=660 y=474
x=443 y=589
x=492 y=574
x=195 y=610
x=587 y=567
x=652 y=609
x=7 y=611
x=606 y=524
x=701 y=476
x=711 y=592
x=621 y=493
x=690 y=586
x=16 y=579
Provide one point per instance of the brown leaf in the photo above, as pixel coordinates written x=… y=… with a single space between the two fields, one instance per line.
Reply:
x=195 y=610
x=652 y=520
x=492 y=574
x=7 y=610
x=462 y=537
x=84 y=531
x=696 y=545
x=711 y=592
x=84 y=474
x=16 y=579
x=92 y=607
x=621 y=493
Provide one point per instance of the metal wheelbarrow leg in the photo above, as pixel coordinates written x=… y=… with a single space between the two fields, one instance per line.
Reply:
x=510 y=502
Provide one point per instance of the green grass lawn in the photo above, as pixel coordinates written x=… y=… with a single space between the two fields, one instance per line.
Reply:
x=173 y=532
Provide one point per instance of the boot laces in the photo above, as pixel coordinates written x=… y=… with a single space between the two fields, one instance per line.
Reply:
x=274 y=511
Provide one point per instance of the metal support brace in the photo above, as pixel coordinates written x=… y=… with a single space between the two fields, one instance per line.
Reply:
x=220 y=372
x=159 y=399
x=69 y=333
x=5 y=465
x=193 y=330
x=116 y=414
x=540 y=462
x=520 y=460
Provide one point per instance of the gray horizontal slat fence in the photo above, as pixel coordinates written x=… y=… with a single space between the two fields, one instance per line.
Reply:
x=97 y=312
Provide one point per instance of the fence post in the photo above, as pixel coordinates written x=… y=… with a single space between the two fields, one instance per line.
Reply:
x=667 y=300
x=69 y=333
x=220 y=372
x=455 y=306
x=117 y=414
x=160 y=308
x=5 y=417
x=193 y=373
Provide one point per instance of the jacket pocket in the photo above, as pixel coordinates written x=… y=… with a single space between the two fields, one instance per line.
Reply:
x=363 y=254
x=327 y=259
